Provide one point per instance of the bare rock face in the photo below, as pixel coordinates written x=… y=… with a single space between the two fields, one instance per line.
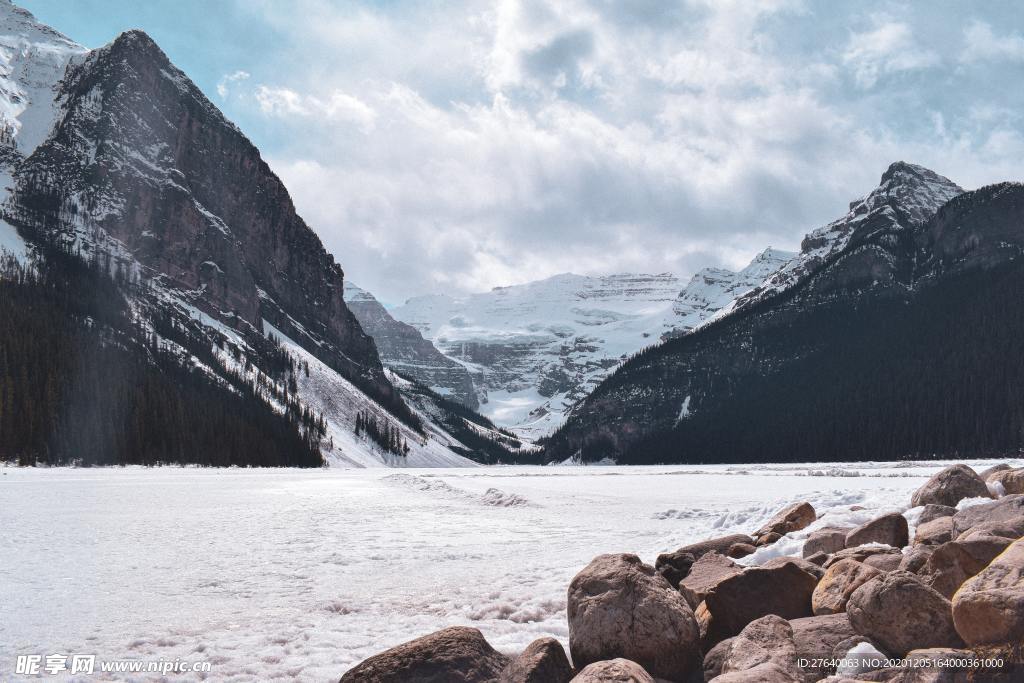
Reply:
x=706 y=573
x=762 y=644
x=953 y=563
x=614 y=671
x=676 y=565
x=932 y=511
x=838 y=584
x=456 y=654
x=543 y=661
x=989 y=608
x=816 y=639
x=1008 y=512
x=784 y=591
x=934 y=532
x=950 y=486
x=792 y=518
x=1012 y=480
x=827 y=540
x=901 y=613
x=890 y=529
x=620 y=607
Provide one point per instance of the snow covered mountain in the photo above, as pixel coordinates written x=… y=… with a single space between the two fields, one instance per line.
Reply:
x=114 y=157
x=536 y=349
x=403 y=349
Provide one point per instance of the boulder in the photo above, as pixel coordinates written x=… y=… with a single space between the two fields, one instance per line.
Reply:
x=706 y=573
x=715 y=657
x=767 y=539
x=675 y=566
x=768 y=672
x=818 y=558
x=932 y=511
x=862 y=554
x=827 y=540
x=738 y=550
x=900 y=613
x=1012 y=480
x=884 y=562
x=917 y=557
x=890 y=529
x=768 y=640
x=837 y=585
x=816 y=639
x=986 y=475
x=950 y=486
x=621 y=607
x=989 y=608
x=954 y=562
x=792 y=518
x=813 y=569
x=783 y=590
x=457 y=654
x=613 y=671
x=1008 y=512
x=934 y=532
x=543 y=661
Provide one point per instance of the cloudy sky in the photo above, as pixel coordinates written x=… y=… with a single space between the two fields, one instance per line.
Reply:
x=455 y=146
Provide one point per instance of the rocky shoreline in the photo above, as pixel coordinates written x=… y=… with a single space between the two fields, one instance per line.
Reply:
x=931 y=594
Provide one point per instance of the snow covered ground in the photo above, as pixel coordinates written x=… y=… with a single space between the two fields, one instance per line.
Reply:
x=300 y=574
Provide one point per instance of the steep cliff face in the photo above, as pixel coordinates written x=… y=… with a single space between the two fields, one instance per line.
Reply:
x=139 y=155
x=403 y=349
x=812 y=350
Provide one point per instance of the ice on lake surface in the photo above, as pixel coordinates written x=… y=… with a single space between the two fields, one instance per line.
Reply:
x=301 y=574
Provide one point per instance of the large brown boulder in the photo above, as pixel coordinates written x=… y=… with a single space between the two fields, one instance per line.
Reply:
x=792 y=518
x=987 y=475
x=1011 y=480
x=953 y=563
x=885 y=562
x=934 y=532
x=764 y=644
x=950 y=486
x=916 y=559
x=676 y=565
x=620 y=607
x=862 y=553
x=543 y=661
x=706 y=573
x=715 y=657
x=614 y=671
x=932 y=511
x=457 y=654
x=901 y=613
x=837 y=585
x=783 y=590
x=814 y=570
x=827 y=540
x=989 y=608
x=890 y=529
x=816 y=639
x=1007 y=512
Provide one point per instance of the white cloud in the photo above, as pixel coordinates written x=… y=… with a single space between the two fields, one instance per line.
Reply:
x=226 y=82
x=983 y=45
x=888 y=48
x=338 y=107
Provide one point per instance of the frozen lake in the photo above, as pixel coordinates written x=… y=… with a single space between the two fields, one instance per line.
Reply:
x=300 y=574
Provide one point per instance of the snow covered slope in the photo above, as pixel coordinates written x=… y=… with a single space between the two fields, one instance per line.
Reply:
x=538 y=348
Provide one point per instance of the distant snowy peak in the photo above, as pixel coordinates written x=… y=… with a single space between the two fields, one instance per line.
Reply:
x=33 y=60
x=906 y=197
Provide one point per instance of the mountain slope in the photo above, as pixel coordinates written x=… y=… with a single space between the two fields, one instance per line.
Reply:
x=536 y=349
x=138 y=174
x=403 y=348
x=835 y=364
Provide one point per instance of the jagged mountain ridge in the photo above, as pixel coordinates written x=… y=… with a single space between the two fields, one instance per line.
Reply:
x=403 y=349
x=139 y=173
x=914 y=317
x=536 y=349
